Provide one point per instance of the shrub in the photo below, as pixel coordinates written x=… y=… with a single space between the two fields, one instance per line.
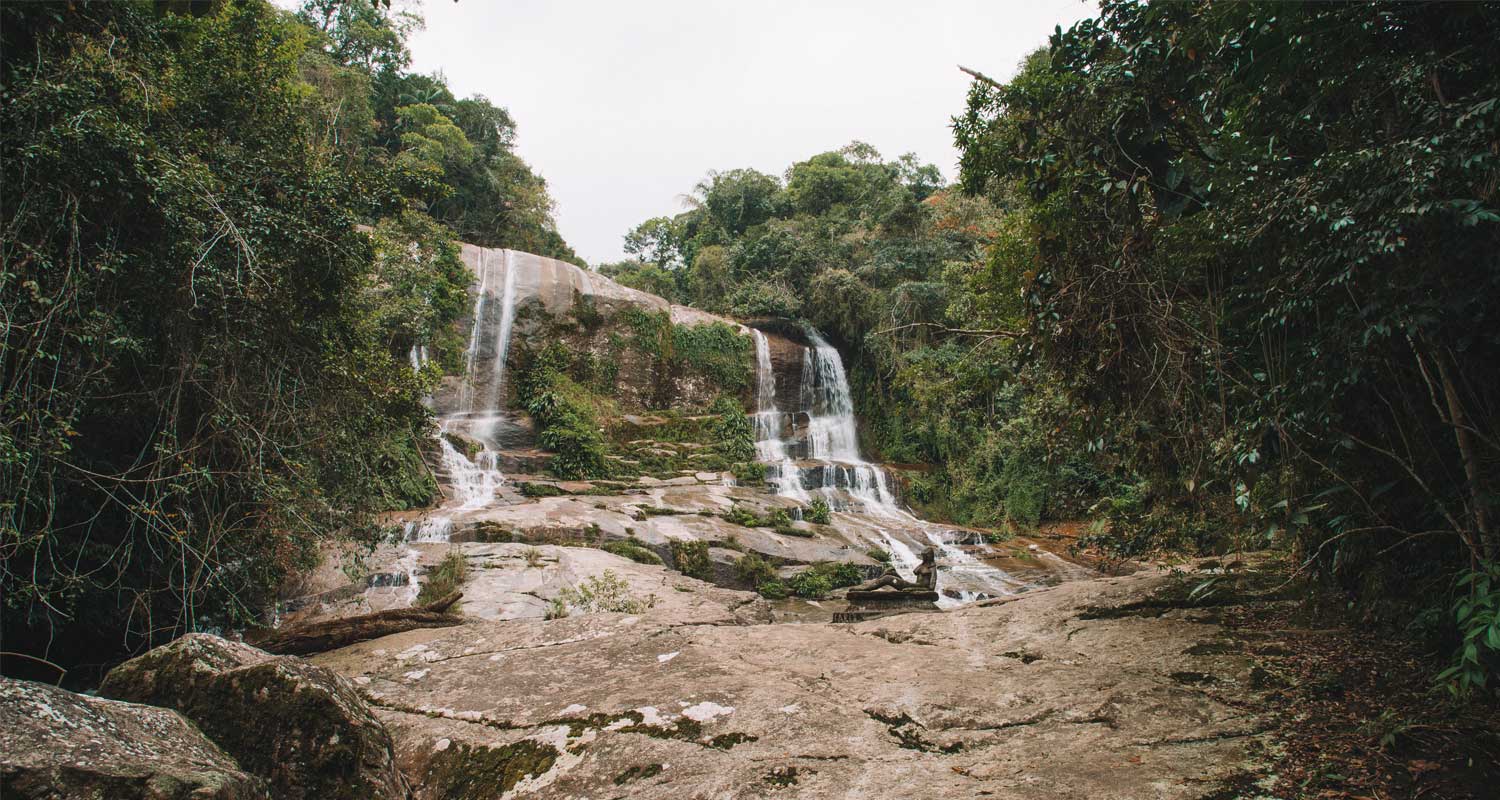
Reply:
x=754 y=570
x=602 y=594
x=819 y=579
x=818 y=512
x=1477 y=611
x=444 y=579
x=811 y=584
x=880 y=554
x=749 y=473
x=632 y=549
x=565 y=414
x=717 y=352
x=765 y=299
x=691 y=559
x=733 y=434
x=740 y=515
x=774 y=590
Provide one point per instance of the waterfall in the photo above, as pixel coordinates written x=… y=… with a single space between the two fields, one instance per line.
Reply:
x=831 y=440
x=771 y=427
x=481 y=402
x=833 y=437
x=496 y=398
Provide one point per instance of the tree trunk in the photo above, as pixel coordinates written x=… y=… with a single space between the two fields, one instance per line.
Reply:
x=1467 y=450
x=318 y=637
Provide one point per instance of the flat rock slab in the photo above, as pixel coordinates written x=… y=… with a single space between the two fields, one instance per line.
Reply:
x=1033 y=698
x=58 y=744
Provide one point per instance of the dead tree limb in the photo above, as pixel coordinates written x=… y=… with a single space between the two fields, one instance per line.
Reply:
x=318 y=637
x=980 y=76
x=995 y=333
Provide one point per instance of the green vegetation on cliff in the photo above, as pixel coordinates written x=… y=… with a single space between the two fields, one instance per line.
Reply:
x=1216 y=274
x=205 y=353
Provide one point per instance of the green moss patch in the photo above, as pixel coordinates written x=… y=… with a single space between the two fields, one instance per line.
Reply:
x=462 y=772
x=638 y=772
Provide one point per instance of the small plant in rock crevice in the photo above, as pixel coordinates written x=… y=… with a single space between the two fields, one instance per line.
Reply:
x=603 y=593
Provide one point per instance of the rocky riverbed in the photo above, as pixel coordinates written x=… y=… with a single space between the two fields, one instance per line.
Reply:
x=1105 y=687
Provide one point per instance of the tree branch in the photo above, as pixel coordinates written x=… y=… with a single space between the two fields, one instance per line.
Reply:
x=981 y=77
x=994 y=333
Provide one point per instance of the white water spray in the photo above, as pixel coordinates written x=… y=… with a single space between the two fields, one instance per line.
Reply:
x=771 y=427
x=474 y=481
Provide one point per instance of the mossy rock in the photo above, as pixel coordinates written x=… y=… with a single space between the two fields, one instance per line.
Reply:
x=300 y=726
x=464 y=772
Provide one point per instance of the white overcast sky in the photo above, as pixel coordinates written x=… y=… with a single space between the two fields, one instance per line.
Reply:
x=623 y=106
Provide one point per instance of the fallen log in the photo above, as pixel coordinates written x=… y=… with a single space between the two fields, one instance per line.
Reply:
x=318 y=637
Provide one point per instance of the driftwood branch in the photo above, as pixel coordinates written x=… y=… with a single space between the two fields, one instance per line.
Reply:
x=318 y=637
x=981 y=77
x=994 y=333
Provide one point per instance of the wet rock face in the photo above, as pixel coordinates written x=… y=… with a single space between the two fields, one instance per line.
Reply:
x=57 y=744
x=301 y=727
x=554 y=301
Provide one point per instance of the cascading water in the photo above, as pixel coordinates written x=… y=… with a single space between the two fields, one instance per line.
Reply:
x=771 y=426
x=481 y=402
x=840 y=475
x=418 y=357
x=833 y=437
x=495 y=401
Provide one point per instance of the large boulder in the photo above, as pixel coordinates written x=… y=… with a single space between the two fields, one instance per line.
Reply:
x=301 y=727
x=56 y=744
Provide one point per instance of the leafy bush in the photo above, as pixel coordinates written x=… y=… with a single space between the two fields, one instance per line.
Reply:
x=691 y=559
x=765 y=299
x=1477 y=611
x=715 y=351
x=632 y=549
x=819 y=579
x=566 y=416
x=444 y=579
x=773 y=590
x=734 y=435
x=740 y=515
x=603 y=593
x=811 y=585
x=749 y=473
x=754 y=570
x=818 y=512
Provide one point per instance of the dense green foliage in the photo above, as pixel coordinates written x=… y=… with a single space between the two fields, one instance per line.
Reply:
x=818 y=580
x=1220 y=274
x=565 y=413
x=455 y=159
x=715 y=352
x=633 y=549
x=734 y=435
x=205 y=370
x=1259 y=245
x=891 y=266
x=691 y=558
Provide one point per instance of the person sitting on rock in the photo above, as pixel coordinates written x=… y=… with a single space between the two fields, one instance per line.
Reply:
x=926 y=577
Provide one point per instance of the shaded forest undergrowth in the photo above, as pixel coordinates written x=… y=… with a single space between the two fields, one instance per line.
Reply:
x=1355 y=710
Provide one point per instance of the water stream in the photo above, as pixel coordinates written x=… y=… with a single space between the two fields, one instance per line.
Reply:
x=833 y=469
x=481 y=403
x=771 y=428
